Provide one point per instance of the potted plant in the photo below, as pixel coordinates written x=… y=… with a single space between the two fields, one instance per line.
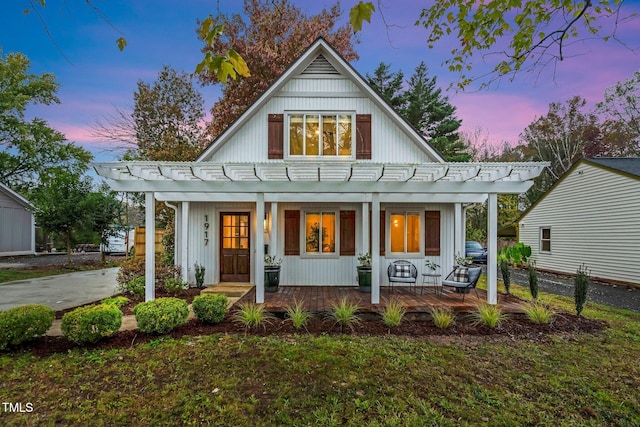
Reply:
x=432 y=266
x=462 y=261
x=364 y=272
x=272 y=273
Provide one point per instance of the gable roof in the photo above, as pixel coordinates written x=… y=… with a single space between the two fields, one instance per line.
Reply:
x=15 y=196
x=320 y=57
x=626 y=165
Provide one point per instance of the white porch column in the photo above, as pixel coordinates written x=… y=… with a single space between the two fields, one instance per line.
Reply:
x=184 y=235
x=273 y=233
x=365 y=228
x=375 y=249
x=458 y=228
x=258 y=278
x=150 y=247
x=492 y=249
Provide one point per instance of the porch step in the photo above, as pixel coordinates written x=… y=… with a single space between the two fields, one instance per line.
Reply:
x=237 y=290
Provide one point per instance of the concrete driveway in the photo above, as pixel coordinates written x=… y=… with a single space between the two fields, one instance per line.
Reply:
x=60 y=292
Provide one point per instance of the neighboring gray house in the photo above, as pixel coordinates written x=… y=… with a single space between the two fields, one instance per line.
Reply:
x=591 y=216
x=17 y=226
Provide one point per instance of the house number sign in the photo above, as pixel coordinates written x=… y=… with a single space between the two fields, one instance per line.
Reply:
x=206 y=230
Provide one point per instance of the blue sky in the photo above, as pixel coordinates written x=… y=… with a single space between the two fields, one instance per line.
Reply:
x=96 y=77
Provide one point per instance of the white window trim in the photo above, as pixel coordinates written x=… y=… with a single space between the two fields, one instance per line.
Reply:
x=405 y=254
x=540 y=240
x=303 y=234
x=321 y=157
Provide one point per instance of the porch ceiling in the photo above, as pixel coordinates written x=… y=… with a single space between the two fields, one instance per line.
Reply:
x=306 y=172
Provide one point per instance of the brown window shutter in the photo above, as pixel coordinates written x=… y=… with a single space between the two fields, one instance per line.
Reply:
x=276 y=136
x=432 y=233
x=347 y=232
x=363 y=136
x=292 y=232
x=382 y=228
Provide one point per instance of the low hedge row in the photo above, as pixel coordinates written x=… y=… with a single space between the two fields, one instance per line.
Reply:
x=88 y=324
x=161 y=316
x=23 y=323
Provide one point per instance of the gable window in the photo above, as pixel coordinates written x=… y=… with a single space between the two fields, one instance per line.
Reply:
x=325 y=135
x=320 y=232
x=545 y=239
x=405 y=232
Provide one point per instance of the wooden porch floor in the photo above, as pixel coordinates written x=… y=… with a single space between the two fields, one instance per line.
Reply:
x=321 y=298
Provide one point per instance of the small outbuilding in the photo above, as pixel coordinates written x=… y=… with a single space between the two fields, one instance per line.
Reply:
x=591 y=216
x=17 y=225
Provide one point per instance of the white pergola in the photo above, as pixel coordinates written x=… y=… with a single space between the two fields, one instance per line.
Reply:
x=361 y=182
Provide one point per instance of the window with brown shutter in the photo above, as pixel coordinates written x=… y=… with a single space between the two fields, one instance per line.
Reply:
x=363 y=136
x=432 y=233
x=347 y=232
x=382 y=230
x=276 y=136
x=292 y=232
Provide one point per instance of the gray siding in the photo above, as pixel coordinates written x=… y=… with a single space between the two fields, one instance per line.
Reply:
x=16 y=227
x=594 y=215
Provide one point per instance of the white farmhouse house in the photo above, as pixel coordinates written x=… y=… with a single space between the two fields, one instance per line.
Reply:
x=591 y=216
x=320 y=169
x=17 y=226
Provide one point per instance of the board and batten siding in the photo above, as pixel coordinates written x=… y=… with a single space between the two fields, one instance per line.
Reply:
x=389 y=143
x=16 y=228
x=301 y=270
x=594 y=216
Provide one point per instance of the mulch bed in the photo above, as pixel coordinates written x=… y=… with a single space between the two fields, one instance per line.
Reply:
x=516 y=327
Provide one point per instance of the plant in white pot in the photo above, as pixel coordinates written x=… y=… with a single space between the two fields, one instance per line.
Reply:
x=272 y=266
x=364 y=272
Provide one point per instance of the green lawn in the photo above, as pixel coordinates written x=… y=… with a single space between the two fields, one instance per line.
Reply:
x=9 y=275
x=241 y=380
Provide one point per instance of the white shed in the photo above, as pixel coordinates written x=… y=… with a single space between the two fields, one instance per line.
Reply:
x=591 y=216
x=17 y=225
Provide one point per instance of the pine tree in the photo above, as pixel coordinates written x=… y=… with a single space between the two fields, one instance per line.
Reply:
x=431 y=113
x=389 y=85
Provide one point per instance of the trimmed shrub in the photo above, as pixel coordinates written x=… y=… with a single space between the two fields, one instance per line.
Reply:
x=506 y=275
x=161 y=316
x=23 y=323
x=88 y=324
x=134 y=287
x=533 y=280
x=175 y=286
x=118 y=301
x=210 y=308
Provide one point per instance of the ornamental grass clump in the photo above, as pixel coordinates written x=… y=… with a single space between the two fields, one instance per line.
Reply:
x=86 y=325
x=581 y=288
x=23 y=323
x=539 y=313
x=345 y=313
x=252 y=316
x=393 y=313
x=161 y=316
x=488 y=315
x=210 y=308
x=298 y=315
x=443 y=317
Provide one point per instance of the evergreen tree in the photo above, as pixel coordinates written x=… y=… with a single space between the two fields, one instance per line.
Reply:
x=431 y=113
x=388 y=85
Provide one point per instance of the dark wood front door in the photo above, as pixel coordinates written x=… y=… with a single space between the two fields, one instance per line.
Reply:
x=234 y=247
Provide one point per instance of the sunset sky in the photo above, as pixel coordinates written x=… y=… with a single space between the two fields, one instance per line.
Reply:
x=96 y=77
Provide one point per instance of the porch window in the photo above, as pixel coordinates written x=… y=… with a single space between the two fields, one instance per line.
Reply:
x=545 y=239
x=405 y=232
x=320 y=135
x=320 y=232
